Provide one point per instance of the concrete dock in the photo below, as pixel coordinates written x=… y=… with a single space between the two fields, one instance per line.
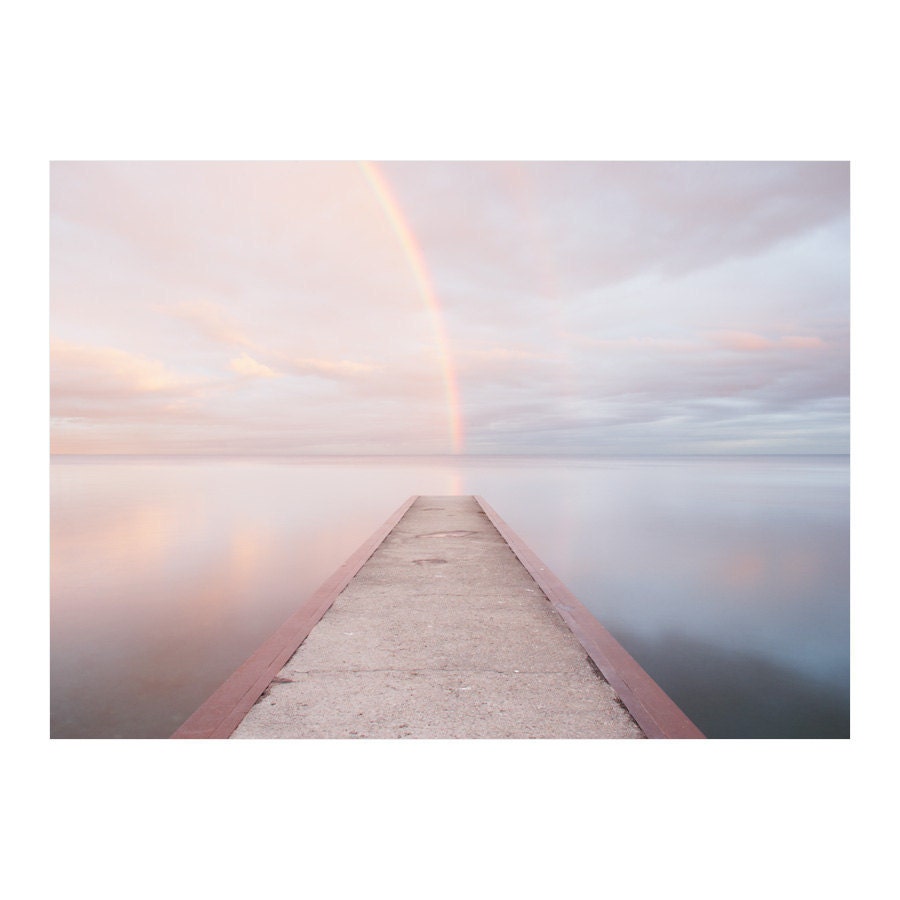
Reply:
x=438 y=629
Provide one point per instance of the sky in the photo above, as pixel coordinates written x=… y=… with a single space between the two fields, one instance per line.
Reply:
x=281 y=308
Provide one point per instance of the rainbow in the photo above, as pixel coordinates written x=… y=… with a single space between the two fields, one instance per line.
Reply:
x=416 y=259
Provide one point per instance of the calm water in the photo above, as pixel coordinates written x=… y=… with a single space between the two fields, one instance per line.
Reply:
x=728 y=579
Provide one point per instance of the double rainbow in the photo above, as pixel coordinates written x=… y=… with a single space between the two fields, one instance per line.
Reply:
x=419 y=268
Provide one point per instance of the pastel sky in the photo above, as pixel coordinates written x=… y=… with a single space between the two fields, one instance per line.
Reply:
x=573 y=308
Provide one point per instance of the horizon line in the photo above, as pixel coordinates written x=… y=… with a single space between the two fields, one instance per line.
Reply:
x=465 y=455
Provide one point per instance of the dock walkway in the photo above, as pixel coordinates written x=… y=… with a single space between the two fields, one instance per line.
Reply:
x=442 y=633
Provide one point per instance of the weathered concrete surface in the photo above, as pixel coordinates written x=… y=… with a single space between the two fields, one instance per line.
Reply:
x=441 y=634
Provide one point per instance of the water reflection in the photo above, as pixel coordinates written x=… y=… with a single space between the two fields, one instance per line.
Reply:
x=734 y=694
x=725 y=578
x=742 y=560
x=165 y=576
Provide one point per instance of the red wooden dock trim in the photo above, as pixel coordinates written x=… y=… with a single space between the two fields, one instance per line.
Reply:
x=224 y=710
x=654 y=711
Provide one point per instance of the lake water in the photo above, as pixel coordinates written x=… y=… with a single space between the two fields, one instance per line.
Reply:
x=728 y=579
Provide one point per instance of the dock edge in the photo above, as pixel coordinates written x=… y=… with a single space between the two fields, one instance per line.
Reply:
x=225 y=708
x=655 y=712
x=651 y=707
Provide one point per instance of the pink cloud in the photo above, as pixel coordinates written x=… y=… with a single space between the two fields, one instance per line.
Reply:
x=210 y=320
x=742 y=341
x=247 y=365
x=82 y=370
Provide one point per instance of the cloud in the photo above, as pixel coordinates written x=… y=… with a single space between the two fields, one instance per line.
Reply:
x=748 y=342
x=104 y=399
x=246 y=365
x=480 y=367
x=631 y=345
x=799 y=342
x=560 y=228
x=216 y=325
x=210 y=320
x=742 y=341
x=340 y=369
x=84 y=371
x=585 y=305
